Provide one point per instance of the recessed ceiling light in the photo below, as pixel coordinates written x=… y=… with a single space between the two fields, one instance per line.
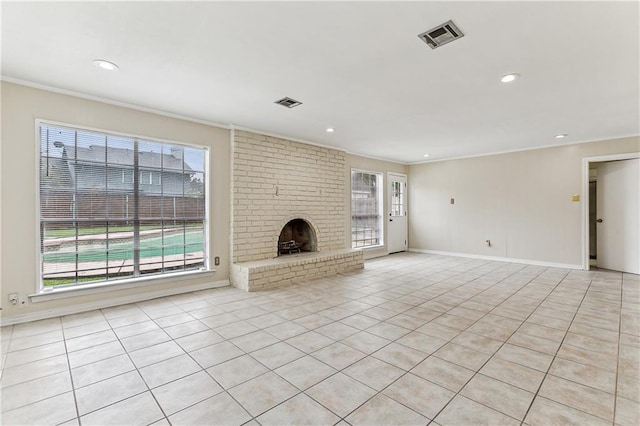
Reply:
x=426 y=155
x=508 y=78
x=561 y=136
x=330 y=130
x=105 y=65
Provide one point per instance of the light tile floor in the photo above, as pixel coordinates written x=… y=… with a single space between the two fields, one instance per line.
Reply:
x=413 y=339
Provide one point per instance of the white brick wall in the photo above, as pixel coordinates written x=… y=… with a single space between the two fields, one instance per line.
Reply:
x=276 y=180
x=268 y=274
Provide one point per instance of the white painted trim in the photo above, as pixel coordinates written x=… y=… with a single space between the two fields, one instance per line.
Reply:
x=233 y=126
x=390 y=175
x=510 y=151
x=357 y=169
x=37 y=213
x=373 y=157
x=381 y=194
x=68 y=310
x=141 y=108
x=498 y=259
x=232 y=208
x=108 y=101
x=70 y=126
x=374 y=252
x=76 y=290
x=304 y=141
x=281 y=136
x=586 y=161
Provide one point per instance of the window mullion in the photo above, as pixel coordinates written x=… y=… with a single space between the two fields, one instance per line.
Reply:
x=162 y=221
x=136 y=209
x=75 y=201
x=184 y=222
x=106 y=203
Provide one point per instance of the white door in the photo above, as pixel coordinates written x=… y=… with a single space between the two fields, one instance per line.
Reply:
x=397 y=219
x=618 y=223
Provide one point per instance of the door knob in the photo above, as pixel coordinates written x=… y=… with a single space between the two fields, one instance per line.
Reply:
x=599 y=220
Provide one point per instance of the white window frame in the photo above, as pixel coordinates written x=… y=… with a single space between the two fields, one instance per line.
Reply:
x=47 y=293
x=124 y=177
x=380 y=201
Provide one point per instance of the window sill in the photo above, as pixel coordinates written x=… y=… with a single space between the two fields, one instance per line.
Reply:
x=367 y=248
x=101 y=287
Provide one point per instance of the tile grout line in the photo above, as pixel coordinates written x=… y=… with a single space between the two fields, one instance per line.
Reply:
x=201 y=369
x=332 y=292
x=135 y=369
x=442 y=313
x=546 y=374
x=73 y=387
x=349 y=365
x=118 y=339
x=503 y=343
x=615 y=391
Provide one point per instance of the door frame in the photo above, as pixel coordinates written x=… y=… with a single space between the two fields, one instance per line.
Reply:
x=586 y=161
x=388 y=209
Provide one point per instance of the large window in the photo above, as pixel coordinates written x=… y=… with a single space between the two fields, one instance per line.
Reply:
x=114 y=207
x=366 y=208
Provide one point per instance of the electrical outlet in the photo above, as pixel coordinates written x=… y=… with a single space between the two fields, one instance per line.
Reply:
x=216 y=260
x=23 y=301
x=13 y=298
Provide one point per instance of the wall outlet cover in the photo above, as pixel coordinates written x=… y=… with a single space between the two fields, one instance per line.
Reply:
x=23 y=301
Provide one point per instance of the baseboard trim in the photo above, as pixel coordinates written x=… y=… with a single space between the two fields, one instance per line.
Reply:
x=499 y=259
x=83 y=307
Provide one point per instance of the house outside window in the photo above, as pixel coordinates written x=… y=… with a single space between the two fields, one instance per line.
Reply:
x=115 y=207
x=366 y=209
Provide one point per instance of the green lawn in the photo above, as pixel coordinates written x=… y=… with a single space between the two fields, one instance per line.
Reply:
x=149 y=247
x=71 y=232
x=48 y=282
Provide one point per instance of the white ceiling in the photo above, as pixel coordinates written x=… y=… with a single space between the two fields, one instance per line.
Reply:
x=358 y=67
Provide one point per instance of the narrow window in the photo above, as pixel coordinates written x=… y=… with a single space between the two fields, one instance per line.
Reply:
x=106 y=213
x=366 y=209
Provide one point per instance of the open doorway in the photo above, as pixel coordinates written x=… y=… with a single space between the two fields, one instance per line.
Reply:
x=593 y=215
x=612 y=213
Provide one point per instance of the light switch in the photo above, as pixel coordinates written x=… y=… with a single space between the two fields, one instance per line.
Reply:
x=575 y=198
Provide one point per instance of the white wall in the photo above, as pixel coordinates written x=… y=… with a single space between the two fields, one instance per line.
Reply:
x=520 y=201
x=21 y=106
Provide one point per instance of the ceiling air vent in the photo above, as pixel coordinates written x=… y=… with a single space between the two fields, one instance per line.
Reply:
x=441 y=35
x=288 y=102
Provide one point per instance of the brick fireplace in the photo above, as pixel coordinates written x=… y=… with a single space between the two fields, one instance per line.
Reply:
x=279 y=185
x=297 y=236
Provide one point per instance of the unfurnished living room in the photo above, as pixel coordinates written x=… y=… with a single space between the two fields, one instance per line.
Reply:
x=320 y=213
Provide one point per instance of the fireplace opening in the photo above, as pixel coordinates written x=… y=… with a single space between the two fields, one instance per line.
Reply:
x=297 y=236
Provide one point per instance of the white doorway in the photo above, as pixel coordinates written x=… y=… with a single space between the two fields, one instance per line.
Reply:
x=617 y=218
x=397 y=224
